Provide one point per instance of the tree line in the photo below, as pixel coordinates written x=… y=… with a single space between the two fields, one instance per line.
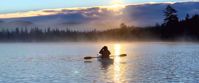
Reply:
x=172 y=29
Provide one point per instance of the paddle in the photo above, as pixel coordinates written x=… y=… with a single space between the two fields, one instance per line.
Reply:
x=90 y=57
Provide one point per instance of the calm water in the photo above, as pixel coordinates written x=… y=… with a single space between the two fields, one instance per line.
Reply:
x=154 y=62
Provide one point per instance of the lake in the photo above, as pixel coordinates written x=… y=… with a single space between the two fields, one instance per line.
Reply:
x=146 y=62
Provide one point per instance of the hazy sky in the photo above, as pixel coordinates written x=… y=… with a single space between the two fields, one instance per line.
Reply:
x=8 y=6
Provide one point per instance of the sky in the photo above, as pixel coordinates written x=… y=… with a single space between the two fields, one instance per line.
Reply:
x=11 y=6
x=89 y=13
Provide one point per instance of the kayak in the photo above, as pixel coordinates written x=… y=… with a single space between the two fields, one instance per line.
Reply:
x=105 y=63
x=90 y=57
x=106 y=60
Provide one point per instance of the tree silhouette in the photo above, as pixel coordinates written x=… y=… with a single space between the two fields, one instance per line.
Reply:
x=122 y=25
x=170 y=16
x=171 y=23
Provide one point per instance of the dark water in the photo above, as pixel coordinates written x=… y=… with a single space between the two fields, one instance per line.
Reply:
x=153 y=62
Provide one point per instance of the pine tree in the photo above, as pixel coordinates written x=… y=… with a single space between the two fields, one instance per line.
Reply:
x=170 y=16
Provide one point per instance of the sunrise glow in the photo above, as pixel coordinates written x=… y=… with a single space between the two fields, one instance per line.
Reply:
x=116 y=5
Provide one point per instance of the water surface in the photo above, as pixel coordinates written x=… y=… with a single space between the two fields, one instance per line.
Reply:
x=147 y=62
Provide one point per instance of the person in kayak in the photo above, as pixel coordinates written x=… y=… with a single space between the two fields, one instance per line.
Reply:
x=105 y=53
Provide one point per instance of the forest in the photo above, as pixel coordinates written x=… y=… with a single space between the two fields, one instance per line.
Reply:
x=172 y=29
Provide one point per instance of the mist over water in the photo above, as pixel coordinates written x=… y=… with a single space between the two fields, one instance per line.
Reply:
x=146 y=62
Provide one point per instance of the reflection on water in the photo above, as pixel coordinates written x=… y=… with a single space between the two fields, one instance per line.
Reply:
x=114 y=68
x=118 y=70
x=119 y=67
x=117 y=49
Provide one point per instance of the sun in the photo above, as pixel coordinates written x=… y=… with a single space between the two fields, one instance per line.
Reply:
x=116 y=2
x=116 y=5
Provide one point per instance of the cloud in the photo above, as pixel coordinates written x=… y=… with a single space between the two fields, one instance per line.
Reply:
x=84 y=10
x=26 y=14
x=102 y=17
